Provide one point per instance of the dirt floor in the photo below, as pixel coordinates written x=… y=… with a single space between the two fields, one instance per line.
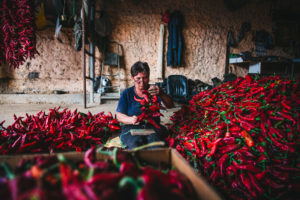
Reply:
x=7 y=111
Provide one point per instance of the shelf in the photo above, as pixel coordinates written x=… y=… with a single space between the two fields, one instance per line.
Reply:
x=263 y=66
x=113 y=95
x=236 y=60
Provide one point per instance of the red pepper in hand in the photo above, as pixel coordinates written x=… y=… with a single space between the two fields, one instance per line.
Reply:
x=150 y=109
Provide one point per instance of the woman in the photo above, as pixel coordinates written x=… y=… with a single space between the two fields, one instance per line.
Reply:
x=128 y=109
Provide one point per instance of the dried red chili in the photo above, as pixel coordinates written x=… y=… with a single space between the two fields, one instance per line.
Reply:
x=56 y=131
x=250 y=109
x=17 y=32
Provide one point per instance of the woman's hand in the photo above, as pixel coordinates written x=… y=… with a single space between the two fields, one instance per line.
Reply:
x=166 y=100
x=154 y=90
x=134 y=120
x=125 y=119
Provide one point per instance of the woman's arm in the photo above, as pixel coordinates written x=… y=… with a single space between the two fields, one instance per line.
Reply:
x=166 y=99
x=125 y=119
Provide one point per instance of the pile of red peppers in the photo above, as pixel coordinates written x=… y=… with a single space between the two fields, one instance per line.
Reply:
x=150 y=109
x=56 y=131
x=120 y=177
x=243 y=136
x=17 y=32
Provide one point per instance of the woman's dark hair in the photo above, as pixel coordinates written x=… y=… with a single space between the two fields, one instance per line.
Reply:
x=139 y=67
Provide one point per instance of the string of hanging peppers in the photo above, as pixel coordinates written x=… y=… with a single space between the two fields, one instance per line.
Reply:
x=2 y=48
x=243 y=136
x=120 y=177
x=150 y=109
x=17 y=32
x=56 y=131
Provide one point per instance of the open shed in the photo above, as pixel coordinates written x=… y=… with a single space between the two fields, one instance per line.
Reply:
x=135 y=24
x=230 y=66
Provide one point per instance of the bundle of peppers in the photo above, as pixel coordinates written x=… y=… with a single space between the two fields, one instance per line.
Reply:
x=56 y=131
x=150 y=109
x=2 y=48
x=17 y=32
x=119 y=177
x=243 y=136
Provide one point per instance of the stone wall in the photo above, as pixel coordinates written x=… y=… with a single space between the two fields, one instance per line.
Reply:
x=136 y=26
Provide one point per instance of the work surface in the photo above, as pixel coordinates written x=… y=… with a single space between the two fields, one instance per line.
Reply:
x=8 y=110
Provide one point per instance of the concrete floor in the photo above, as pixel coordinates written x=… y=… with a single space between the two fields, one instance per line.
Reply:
x=8 y=110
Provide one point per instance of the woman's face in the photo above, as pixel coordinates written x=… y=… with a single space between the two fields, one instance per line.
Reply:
x=141 y=81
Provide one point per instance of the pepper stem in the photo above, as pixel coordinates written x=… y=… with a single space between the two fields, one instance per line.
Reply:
x=8 y=171
x=115 y=160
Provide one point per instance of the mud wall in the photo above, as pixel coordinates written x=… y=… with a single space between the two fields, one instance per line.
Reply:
x=135 y=25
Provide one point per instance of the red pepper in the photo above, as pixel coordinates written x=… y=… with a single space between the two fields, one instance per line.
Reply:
x=151 y=121
x=228 y=140
x=247 y=138
x=280 y=145
x=60 y=145
x=203 y=149
x=214 y=148
x=261 y=175
x=227 y=134
x=27 y=145
x=234 y=128
x=105 y=179
x=210 y=108
x=247 y=126
x=221 y=162
x=228 y=148
x=273 y=184
x=214 y=175
x=281 y=175
x=188 y=145
x=257 y=90
x=213 y=143
x=196 y=147
x=263 y=128
x=284 y=104
x=278 y=132
x=262 y=157
x=260 y=149
x=136 y=99
x=255 y=183
x=247 y=153
x=288 y=117
x=246 y=118
x=250 y=168
x=247 y=184
x=113 y=127
x=287 y=168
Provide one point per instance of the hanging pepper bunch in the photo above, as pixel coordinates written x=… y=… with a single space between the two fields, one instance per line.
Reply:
x=150 y=109
x=56 y=131
x=17 y=31
x=117 y=178
x=243 y=136
x=2 y=48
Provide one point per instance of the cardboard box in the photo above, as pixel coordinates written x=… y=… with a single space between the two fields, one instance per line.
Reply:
x=171 y=156
x=162 y=155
